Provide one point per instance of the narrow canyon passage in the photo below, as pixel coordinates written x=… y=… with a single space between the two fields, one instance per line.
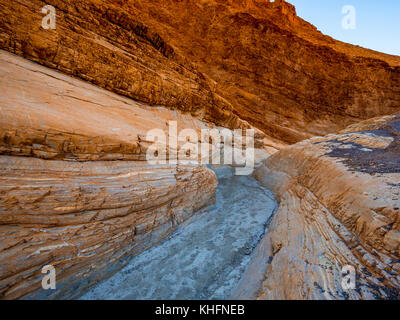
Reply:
x=206 y=256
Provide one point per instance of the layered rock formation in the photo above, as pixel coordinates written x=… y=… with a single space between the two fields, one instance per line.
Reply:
x=339 y=206
x=104 y=43
x=61 y=202
x=225 y=61
x=87 y=219
x=76 y=193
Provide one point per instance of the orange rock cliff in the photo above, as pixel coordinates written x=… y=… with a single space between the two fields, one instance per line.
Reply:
x=225 y=61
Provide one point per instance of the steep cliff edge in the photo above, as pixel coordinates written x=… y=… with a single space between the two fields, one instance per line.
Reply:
x=229 y=62
x=339 y=206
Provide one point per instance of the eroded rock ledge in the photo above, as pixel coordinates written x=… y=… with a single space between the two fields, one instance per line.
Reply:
x=339 y=205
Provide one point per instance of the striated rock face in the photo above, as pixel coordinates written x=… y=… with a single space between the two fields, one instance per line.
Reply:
x=278 y=72
x=225 y=61
x=106 y=44
x=49 y=115
x=339 y=205
x=87 y=219
x=61 y=202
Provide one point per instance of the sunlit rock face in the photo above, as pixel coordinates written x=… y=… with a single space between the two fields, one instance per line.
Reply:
x=229 y=62
x=76 y=191
x=339 y=206
x=87 y=219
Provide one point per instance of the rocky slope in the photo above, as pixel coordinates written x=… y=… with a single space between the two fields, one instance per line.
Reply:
x=225 y=61
x=339 y=205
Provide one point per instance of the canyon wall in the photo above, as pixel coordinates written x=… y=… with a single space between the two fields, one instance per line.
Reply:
x=103 y=43
x=227 y=62
x=339 y=202
x=75 y=191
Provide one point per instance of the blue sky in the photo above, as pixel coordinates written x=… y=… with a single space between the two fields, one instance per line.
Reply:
x=377 y=22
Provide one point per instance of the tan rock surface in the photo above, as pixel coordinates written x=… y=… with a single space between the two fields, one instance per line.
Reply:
x=57 y=206
x=49 y=115
x=339 y=205
x=103 y=43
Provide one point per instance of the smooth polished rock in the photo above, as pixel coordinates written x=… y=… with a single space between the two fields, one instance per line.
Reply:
x=338 y=206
